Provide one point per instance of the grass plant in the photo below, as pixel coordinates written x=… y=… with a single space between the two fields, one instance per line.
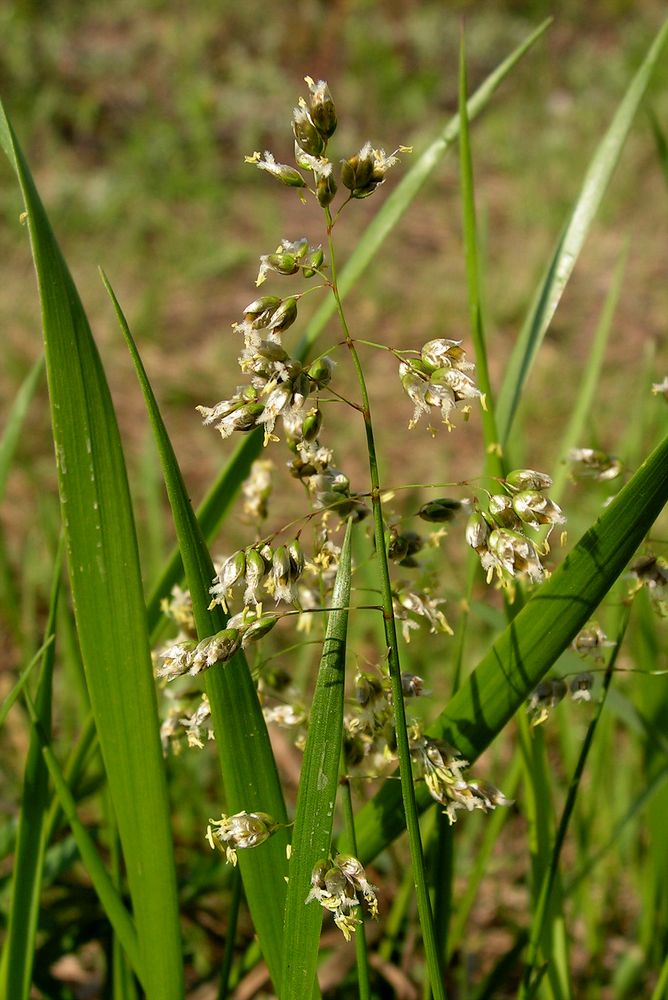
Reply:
x=199 y=830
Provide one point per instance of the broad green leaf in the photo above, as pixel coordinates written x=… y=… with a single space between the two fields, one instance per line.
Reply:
x=250 y=778
x=571 y=241
x=107 y=592
x=312 y=834
x=529 y=646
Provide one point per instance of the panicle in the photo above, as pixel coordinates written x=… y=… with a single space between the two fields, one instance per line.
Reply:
x=337 y=886
x=439 y=379
x=365 y=171
x=498 y=534
x=288 y=175
x=591 y=463
x=230 y=834
x=590 y=641
x=441 y=766
x=256 y=490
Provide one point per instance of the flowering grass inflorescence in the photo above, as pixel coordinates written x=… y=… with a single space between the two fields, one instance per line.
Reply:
x=387 y=570
x=286 y=397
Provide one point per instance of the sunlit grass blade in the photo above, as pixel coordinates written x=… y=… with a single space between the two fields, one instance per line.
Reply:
x=250 y=778
x=108 y=598
x=312 y=833
x=539 y=812
x=493 y=828
x=647 y=709
x=30 y=839
x=389 y=215
x=633 y=812
x=571 y=241
x=75 y=765
x=350 y=847
x=529 y=646
x=493 y=463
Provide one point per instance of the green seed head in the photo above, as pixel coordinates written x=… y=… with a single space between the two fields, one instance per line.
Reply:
x=284 y=316
x=320 y=372
x=260 y=311
x=284 y=263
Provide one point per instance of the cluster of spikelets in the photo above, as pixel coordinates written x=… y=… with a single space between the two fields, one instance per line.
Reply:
x=282 y=394
x=499 y=533
x=440 y=378
x=339 y=884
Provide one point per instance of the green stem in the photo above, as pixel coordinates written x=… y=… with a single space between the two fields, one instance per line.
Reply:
x=494 y=463
x=361 y=950
x=232 y=920
x=403 y=748
x=528 y=989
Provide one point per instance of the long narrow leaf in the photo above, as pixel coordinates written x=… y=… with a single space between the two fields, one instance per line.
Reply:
x=311 y=841
x=118 y=916
x=529 y=646
x=30 y=839
x=571 y=241
x=108 y=598
x=248 y=767
x=494 y=464
x=22 y=681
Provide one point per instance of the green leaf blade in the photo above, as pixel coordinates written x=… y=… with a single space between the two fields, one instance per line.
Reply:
x=107 y=594
x=250 y=777
x=30 y=851
x=571 y=241
x=311 y=840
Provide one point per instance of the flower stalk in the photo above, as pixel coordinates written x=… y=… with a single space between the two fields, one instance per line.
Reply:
x=394 y=663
